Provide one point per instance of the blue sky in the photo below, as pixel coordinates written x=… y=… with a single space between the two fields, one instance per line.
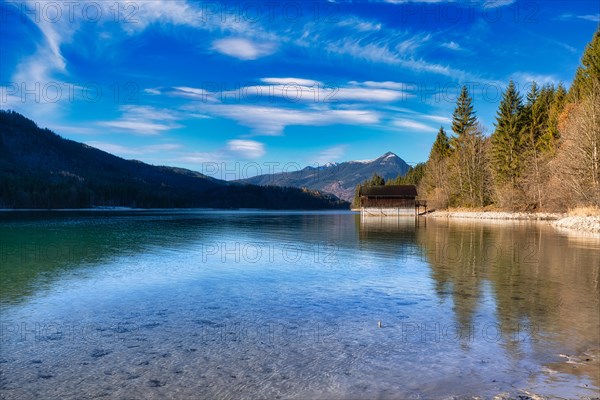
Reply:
x=231 y=89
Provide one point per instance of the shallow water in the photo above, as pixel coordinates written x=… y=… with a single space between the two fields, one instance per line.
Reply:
x=189 y=304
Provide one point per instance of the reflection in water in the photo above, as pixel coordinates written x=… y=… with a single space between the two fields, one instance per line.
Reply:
x=230 y=304
x=540 y=288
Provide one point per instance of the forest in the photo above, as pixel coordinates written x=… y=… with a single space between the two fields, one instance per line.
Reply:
x=543 y=153
x=41 y=170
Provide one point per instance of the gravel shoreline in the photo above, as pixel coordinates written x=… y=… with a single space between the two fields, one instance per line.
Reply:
x=574 y=223
x=581 y=224
x=508 y=215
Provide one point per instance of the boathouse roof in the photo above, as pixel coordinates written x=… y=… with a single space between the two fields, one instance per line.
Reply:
x=398 y=191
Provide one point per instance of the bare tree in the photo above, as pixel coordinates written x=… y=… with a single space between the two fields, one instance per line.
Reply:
x=469 y=169
x=578 y=157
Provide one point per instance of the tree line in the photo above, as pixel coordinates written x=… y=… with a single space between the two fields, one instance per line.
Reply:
x=544 y=152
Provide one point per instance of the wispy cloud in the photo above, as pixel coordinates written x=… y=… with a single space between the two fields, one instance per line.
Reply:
x=585 y=17
x=497 y=3
x=296 y=90
x=301 y=102
x=271 y=120
x=359 y=24
x=128 y=151
x=308 y=90
x=412 y=43
x=246 y=149
x=143 y=120
x=413 y=125
x=451 y=45
x=243 y=49
x=590 y=17
x=235 y=149
x=415 y=1
x=526 y=78
x=331 y=154
x=483 y=3
x=385 y=85
x=438 y=118
x=381 y=54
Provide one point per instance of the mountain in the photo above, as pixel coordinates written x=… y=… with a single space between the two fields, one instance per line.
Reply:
x=39 y=169
x=338 y=179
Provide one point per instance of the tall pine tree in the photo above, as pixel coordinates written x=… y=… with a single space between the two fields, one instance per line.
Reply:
x=535 y=142
x=507 y=139
x=588 y=74
x=463 y=118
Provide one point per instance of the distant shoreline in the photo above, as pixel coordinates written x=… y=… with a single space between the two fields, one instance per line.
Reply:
x=126 y=209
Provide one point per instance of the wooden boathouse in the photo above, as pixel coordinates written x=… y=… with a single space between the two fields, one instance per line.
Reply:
x=390 y=200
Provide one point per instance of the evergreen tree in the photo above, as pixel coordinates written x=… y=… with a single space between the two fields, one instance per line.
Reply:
x=588 y=73
x=535 y=141
x=377 y=180
x=464 y=116
x=412 y=177
x=468 y=166
x=441 y=146
x=545 y=140
x=435 y=174
x=507 y=140
x=533 y=94
x=356 y=199
x=535 y=115
x=557 y=106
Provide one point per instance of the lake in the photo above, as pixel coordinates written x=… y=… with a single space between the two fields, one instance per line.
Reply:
x=207 y=304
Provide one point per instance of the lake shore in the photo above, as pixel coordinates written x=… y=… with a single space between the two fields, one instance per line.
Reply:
x=558 y=220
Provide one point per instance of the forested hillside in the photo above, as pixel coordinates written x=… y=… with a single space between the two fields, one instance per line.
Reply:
x=39 y=169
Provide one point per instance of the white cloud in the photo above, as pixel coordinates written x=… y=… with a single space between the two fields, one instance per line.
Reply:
x=234 y=149
x=588 y=17
x=294 y=90
x=268 y=120
x=413 y=43
x=356 y=91
x=359 y=24
x=381 y=54
x=593 y=18
x=137 y=127
x=143 y=120
x=452 y=46
x=198 y=157
x=527 y=78
x=194 y=93
x=140 y=150
x=243 y=49
x=497 y=3
x=412 y=125
x=384 y=85
x=367 y=94
x=291 y=81
x=438 y=118
x=486 y=3
x=331 y=154
x=246 y=148
x=416 y=1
